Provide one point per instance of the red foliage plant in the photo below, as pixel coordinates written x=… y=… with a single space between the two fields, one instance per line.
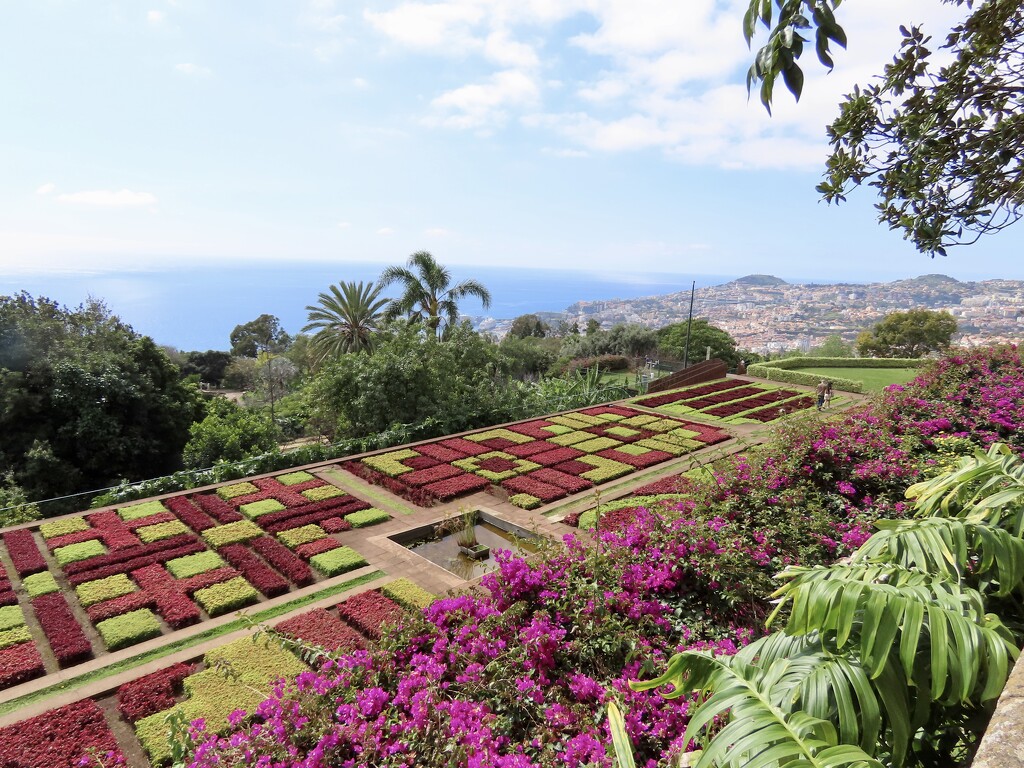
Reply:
x=132 y=559
x=369 y=611
x=25 y=554
x=189 y=514
x=324 y=629
x=282 y=558
x=171 y=601
x=151 y=693
x=258 y=573
x=66 y=638
x=335 y=525
x=19 y=663
x=59 y=738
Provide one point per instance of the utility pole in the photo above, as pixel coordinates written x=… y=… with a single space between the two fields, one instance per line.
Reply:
x=689 y=322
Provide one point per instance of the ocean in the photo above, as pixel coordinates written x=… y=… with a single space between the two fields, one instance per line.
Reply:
x=196 y=309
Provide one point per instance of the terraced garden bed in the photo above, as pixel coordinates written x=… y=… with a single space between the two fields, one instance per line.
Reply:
x=733 y=401
x=536 y=461
x=110 y=579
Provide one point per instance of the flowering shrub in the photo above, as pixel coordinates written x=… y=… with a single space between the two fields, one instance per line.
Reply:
x=66 y=638
x=21 y=546
x=129 y=629
x=151 y=693
x=59 y=738
x=99 y=590
x=366 y=517
x=190 y=565
x=227 y=596
x=337 y=561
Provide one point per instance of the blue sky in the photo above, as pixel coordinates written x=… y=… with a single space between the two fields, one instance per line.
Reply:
x=599 y=135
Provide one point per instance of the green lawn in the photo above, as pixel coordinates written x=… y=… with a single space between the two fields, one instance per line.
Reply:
x=619 y=378
x=874 y=378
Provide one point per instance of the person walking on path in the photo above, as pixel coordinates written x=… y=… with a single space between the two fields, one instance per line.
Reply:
x=820 y=391
x=828 y=395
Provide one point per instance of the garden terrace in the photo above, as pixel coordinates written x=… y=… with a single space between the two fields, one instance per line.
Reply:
x=104 y=581
x=538 y=461
x=732 y=401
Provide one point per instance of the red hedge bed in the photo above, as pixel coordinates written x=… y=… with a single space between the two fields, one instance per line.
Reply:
x=310 y=513
x=116 y=533
x=152 y=693
x=25 y=554
x=118 y=605
x=189 y=514
x=369 y=611
x=216 y=507
x=456 y=486
x=311 y=548
x=59 y=738
x=528 y=450
x=203 y=580
x=19 y=663
x=282 y=558
x=133 y=559
x=571 y=483
x=431 y=475
x=421 y=462
x=324 y=629
x=171 y=601
x=335 y=525
x=258 y=573
x=66 y=638
x=637 y=462
x=438 y=452
x=543 y=491
x=557 y=456
x=463 y=446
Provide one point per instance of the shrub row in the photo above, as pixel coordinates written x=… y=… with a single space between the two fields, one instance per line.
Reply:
x=115 y=532
x=200 y=581
x=216 y=507
x=313 y=513
x=133 y=601
x=25 y=554
x=92 y=592
x=322 y=628
x=232 y=533
x=171 y=601
x=7 y=596
x=408 y=594
x=59 y=738
x=258 y=573
x=129 y=628
x=151 y=693
x=131 y=560
x=306 y=551
x=335 y=525
x=18 y=664
x=284 y=560
x=226 y=596
x=336 y=561
x=66 y=638
x=369 y=612
x=189 y=513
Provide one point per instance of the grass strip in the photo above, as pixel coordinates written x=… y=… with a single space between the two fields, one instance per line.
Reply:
x=185 y=642
x=338 y=478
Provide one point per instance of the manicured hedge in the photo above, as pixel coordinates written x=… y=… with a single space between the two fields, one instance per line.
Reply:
x=61 y=527
x=66 y=638
x=133 y=601
x=132 y=559
x=524 y=501
x=11 y=616
x=76 y=552
x=161 y=531
x=18 y=664
x=151 y=693
x=135 y=511
x=227 y=596
x=365 y=517
x=306 y=551
x=216 y=507
x=25 y=554
x=129 y=629
x=40 y=584
x=322 y=492
x=337 y=561
x=167 y=592
x=293 y=537
x=391 y=463
x=258 y=573
x=232 y=533
x=369 y=611
x=189 y=513
x=321 y=628
x=236 y=489
x=190 y=565
x=13 y=636
x=264 y=507
x=284 y=560
x=59 y=738
x=409 y=594
x=335 y=525
x=97 y=591
x=294 y=478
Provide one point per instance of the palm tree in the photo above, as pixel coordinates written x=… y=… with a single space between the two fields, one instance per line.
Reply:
x=345 y=318
x=426 y=295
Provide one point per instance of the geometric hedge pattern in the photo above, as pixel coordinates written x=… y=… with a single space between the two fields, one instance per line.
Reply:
x=735 y=401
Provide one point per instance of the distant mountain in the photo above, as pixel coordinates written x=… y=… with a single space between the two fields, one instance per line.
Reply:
x=768 y=280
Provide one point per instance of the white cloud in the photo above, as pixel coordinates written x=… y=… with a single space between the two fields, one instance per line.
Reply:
x=360 y=83
x=46 y=189
x=155 y=17
x=385 y=231
x=481 y=105
x=193 y=70
x=124 y=198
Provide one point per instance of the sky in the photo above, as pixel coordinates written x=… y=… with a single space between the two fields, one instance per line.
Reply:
x=608 y=136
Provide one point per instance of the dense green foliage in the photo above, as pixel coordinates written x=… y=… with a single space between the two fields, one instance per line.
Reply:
x=345 y=319
x=264 y=334
x=938 y=134
x=526 y=326
x=672 y=342
x=914 y=333
x=84 y=400
x=228 y=433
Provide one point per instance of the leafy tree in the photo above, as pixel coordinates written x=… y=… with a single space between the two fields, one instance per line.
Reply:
x=413 y=379
x=528 y=356
x=628 y=339
x=525 y=326
x=210 y=365
x=427 y=293
x=593 y=326
x=273 y=377
x=345 y=319
x=15 y=508
x=913 y=333
x=84 y=400
x=941 y=143
x=228 y=433
x=832 y=346
x=241 y=373
x=672 y=342
x=264 y=334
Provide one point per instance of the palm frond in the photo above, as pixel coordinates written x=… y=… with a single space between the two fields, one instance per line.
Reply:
x=951 y=547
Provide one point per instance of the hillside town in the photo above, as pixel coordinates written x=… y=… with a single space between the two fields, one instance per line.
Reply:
x=768 y=315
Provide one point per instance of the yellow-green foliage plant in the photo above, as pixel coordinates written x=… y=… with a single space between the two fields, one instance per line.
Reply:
x=408 y=594
x=892 y=656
